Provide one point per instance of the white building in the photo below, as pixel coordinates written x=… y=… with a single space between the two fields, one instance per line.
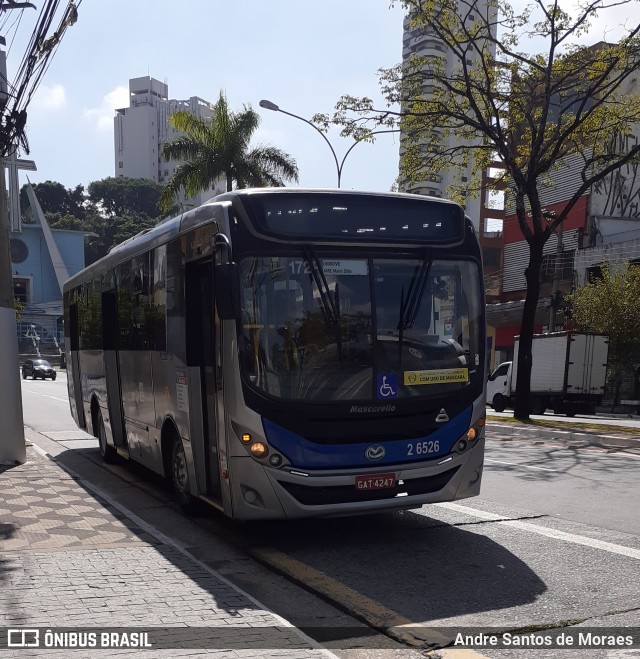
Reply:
x=423 y=42
x=141 y=130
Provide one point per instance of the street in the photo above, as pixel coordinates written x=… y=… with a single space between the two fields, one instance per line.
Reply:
x=554 y=537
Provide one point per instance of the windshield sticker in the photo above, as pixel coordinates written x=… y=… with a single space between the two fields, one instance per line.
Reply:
x=344 y=267
x=439 y=376
x=387 y=385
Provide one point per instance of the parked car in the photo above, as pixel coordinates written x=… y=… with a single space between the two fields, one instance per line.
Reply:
x=38 y=368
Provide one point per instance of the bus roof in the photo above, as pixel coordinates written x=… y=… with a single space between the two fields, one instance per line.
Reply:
x=172 y=227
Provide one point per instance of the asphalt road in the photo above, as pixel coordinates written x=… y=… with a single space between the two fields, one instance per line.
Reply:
x=554 y=537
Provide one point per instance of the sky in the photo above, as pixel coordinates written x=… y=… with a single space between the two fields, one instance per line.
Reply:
x=302 y=56
x=298 y=54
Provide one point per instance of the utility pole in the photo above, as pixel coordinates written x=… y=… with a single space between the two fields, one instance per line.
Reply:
x=13 y=114
x=12 y=444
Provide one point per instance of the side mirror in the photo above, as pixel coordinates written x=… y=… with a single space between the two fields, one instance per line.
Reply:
x=227 y=290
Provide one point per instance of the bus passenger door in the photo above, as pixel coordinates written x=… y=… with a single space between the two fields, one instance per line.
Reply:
x=200 y=336
x=111 y=368
x=76 y=381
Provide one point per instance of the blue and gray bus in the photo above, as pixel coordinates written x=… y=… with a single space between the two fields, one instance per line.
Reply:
x=288 y=353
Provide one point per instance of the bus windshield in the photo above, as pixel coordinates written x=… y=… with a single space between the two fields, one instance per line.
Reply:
x=359 y=329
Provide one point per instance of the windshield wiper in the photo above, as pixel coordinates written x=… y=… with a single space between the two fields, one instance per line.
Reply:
x=330 y=310
x=329 y=306
x=410 y=306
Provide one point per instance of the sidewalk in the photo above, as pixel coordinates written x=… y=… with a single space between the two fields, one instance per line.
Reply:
x=70 y=560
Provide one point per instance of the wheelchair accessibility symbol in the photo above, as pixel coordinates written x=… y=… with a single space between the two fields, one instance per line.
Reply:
x=387 y=385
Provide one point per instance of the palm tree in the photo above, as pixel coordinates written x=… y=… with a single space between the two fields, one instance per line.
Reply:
x=219 y=148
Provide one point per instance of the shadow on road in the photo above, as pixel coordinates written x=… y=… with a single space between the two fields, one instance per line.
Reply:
x=415 y=568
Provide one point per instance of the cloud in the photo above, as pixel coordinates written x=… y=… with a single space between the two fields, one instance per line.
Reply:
x=103 y=115
x=50 y=98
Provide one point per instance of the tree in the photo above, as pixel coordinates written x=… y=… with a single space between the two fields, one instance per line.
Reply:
x=113 y=210
x=527 y=111
x=54 y=198
x=120 y=196
x=219 y=148
x=611 y=305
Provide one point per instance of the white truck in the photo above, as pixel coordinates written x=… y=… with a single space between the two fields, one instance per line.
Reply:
x=568 y=371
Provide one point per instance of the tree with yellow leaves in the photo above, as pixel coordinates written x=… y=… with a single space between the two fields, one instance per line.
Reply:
x=529 y=112
x=610 y=304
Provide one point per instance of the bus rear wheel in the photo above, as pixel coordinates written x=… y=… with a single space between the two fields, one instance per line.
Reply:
x=180 y=477
x=107 y=451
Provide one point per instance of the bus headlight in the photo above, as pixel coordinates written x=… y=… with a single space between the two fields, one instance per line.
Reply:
x=258 y=450
x=472 y=434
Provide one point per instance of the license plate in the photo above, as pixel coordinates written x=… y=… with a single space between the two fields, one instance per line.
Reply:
x=375 y=482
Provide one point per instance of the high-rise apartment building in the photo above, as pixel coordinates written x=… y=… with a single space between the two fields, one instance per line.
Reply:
x=423 y=42
x=141 y=130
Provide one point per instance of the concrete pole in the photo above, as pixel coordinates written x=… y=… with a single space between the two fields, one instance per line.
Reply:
x=12 y=445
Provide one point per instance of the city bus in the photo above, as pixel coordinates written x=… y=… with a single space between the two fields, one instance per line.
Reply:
x=289 y=353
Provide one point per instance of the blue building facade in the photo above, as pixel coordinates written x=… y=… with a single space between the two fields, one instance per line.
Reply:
x=37 y=268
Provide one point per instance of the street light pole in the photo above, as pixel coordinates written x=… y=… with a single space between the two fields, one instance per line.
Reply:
x=268 y=105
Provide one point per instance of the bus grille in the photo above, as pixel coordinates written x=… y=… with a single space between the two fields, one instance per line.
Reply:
x=309 y=495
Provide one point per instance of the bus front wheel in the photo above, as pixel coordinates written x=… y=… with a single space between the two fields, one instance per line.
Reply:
x=180 y=477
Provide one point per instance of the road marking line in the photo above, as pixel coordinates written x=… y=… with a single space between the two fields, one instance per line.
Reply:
x=36 y=393
x=541 y=530
x=517 y=464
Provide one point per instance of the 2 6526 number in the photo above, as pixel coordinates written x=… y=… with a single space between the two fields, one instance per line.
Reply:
x=423 y=448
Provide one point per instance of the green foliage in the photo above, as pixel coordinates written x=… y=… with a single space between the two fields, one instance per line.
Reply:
x=120 y=196
x=109 y=232
x=218 y=149
x=611 y=305
x=54 y=199
x=113 y=210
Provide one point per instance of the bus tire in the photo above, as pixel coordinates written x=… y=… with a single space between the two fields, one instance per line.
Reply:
x=180 y=477
x=499 y=403
x=107 y=451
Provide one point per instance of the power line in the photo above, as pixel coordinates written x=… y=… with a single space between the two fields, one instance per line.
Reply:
x=37 y=57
